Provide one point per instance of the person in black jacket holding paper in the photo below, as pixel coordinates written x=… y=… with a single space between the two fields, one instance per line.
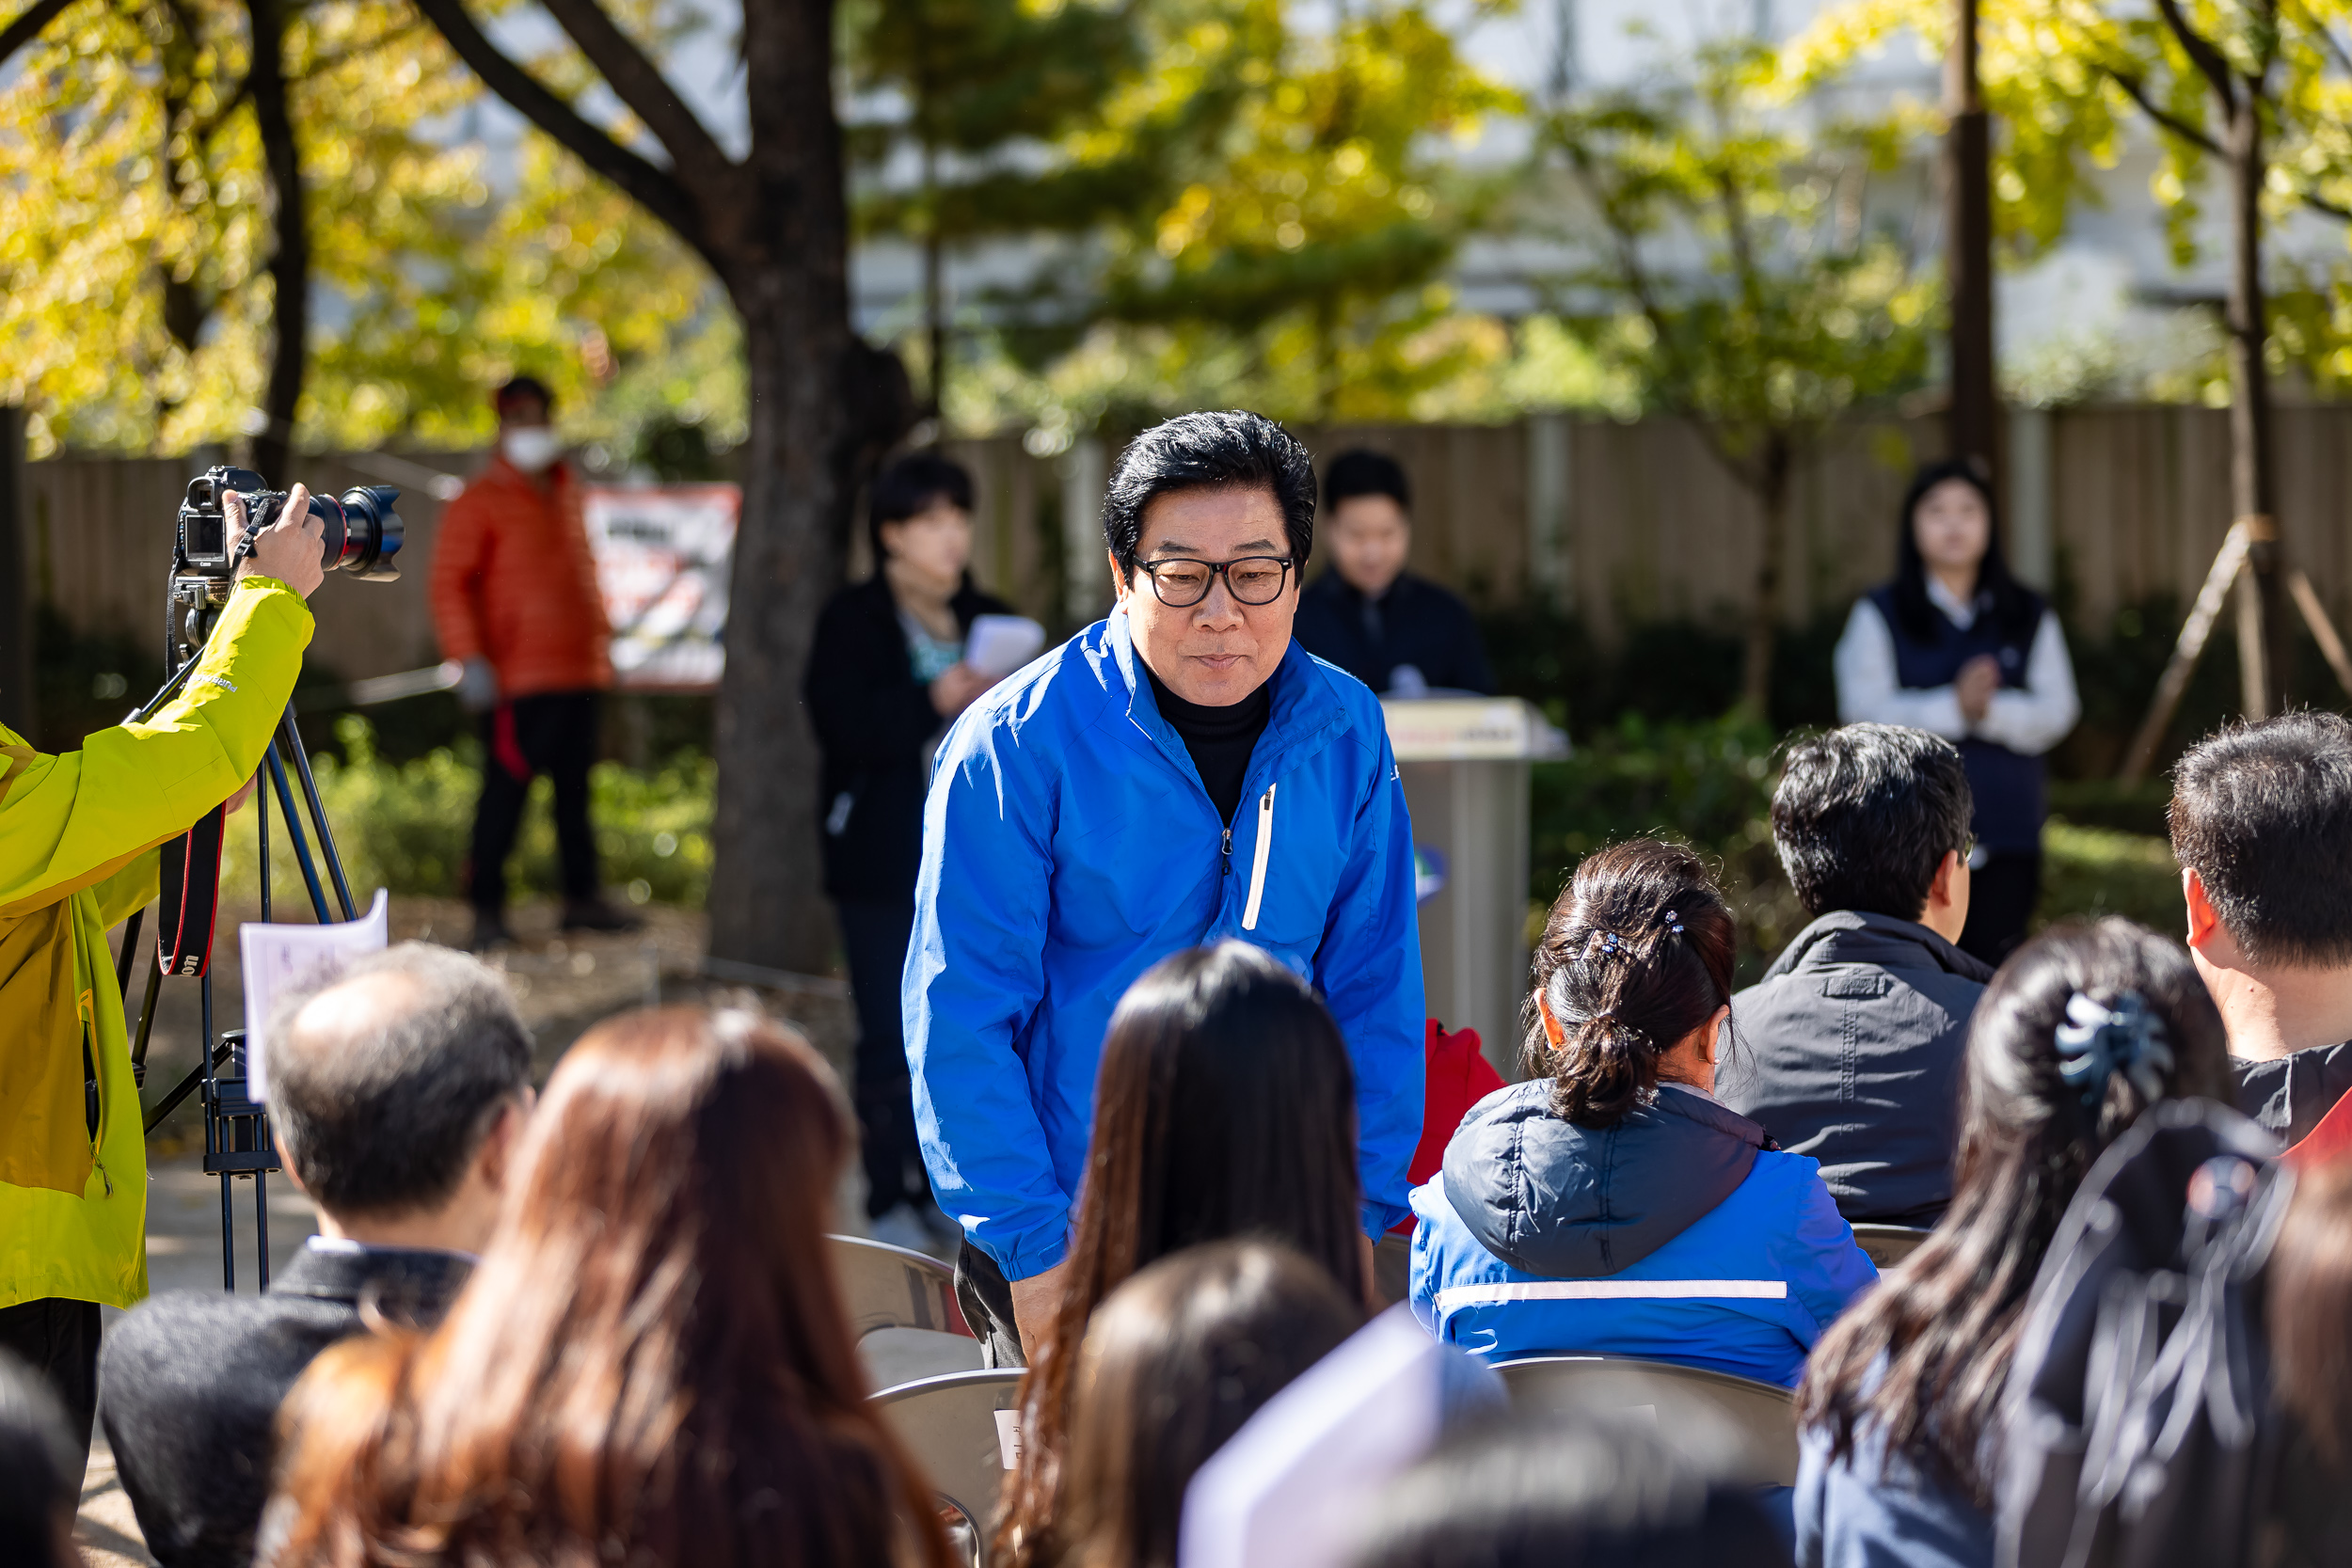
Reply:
x=886 y=674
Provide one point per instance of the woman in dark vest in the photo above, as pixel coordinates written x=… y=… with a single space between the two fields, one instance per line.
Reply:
x=1958 y=647
x=885 y=677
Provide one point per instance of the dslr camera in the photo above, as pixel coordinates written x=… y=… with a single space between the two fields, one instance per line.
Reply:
x=363 y=532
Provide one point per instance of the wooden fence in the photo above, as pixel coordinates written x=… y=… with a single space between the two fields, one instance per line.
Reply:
x=1619 y=523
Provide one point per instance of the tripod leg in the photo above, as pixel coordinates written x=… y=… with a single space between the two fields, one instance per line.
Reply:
x=212 y=1139
x=260 y=1229
x=293 y=834
x=130 y=951
x=292 y=738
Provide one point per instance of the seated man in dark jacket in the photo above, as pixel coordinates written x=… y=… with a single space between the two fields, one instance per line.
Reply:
x=1849 y=1049
x=1401 y=635
x=397 y=1092
x=2262 y=825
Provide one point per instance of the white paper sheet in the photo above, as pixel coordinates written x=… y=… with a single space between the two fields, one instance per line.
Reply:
x=279 y=959
x=999 y=645
x=1283 y=1492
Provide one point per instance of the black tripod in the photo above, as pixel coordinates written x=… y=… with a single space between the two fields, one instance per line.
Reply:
x=238 y=1140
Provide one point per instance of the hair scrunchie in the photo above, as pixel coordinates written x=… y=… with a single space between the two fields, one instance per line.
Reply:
x=2101 y=1039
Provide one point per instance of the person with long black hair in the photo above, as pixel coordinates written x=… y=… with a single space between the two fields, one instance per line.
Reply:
x=1225 y=1108
x=2078 y=1035
x=1957 y=647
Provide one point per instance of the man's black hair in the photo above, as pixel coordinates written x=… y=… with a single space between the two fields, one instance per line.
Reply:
x=910 y=487
x=1362 y=471
x=386 y=1119
x=1864 y=813
x=519 y=387
x=1230 y=448
x=2263 y=813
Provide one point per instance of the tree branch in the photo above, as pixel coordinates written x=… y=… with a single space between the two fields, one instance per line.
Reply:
x=25 y=29
x=2210 y=62
x=638 y=83
x=2137 y=92
x=651 y=187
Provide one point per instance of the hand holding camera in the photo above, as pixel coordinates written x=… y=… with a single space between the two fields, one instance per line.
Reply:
x=289 y=548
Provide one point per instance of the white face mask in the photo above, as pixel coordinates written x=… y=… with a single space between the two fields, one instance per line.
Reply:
x=531 y=448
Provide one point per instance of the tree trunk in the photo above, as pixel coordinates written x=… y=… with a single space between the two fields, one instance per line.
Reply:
x=290 y=254
x=2261 y=600
x=1775 y=467
x=1972 y=418
x=822 y=407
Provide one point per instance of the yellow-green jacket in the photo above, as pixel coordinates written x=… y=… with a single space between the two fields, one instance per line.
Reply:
x=78 y=834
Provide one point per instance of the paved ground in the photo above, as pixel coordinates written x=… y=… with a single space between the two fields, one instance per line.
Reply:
x=563 y=985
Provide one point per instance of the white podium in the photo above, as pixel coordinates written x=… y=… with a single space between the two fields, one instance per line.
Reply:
x=1465 y=766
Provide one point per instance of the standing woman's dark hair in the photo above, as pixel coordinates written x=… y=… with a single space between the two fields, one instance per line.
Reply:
x=651 y=1365
x=2080 y=1032
x=909 y=488
x=1175 y=1361
x=1224 y=1107
x=2015 y=607
x=1636 y=955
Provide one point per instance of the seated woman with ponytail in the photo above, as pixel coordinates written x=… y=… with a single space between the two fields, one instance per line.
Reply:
x=1610 y=1205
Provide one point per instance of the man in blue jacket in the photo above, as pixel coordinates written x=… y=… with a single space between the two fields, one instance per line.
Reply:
x=1178 y=773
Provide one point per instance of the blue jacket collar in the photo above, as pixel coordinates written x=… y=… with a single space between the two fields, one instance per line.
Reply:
x=1307 y=712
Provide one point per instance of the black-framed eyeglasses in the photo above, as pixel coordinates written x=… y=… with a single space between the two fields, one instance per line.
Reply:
x=1252 y=579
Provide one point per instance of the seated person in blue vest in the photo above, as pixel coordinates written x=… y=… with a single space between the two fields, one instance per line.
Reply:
x=2262 y=825
x=887 y=675
x=2079 y=1034
x=1610 y=1205
x=1850 y=1046
x=1176 y=775
x=1958 y=647
x=1401 y=635
x=399 y=1092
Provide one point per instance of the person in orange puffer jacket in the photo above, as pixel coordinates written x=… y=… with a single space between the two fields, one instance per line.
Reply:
x=515 y=599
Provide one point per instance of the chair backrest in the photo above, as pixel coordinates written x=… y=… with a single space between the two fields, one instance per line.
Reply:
x=889 y=1287
x=1889 y=1244
x=1747 y=1426
x=958 y=1430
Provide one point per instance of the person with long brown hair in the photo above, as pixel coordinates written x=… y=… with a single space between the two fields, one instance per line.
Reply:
x=2309 y=1519
x=2079 y=1033
x=651 y=1363
x=1225 y=1109
x=1610 y=1204
x=1173 y=1363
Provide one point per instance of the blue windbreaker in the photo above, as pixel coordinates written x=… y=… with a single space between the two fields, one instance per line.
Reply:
x=1067 y=845
x=1673 y=1236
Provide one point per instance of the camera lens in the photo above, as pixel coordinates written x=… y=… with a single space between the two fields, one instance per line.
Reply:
x=363 y=532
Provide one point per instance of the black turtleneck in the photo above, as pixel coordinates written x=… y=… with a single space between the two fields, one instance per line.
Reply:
x=1220 y=738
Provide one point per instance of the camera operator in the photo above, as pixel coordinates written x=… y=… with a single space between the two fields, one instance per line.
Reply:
x=78 y=837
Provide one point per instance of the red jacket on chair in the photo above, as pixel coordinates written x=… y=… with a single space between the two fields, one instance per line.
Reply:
x=1458 y=1077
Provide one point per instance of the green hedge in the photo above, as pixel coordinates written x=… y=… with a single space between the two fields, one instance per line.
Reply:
x=1710 y=785
x=405 y=825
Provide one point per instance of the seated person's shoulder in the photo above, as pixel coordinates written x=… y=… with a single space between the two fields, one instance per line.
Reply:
x=194 y=1344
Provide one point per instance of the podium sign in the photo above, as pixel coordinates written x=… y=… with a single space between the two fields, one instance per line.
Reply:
x=1464 y=763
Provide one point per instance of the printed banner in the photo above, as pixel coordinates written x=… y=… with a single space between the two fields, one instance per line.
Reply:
x=664 y=552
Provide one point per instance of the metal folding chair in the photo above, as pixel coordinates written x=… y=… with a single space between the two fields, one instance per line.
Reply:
x=959 y=1431
x=1889 y=1244
x=1735 y=1422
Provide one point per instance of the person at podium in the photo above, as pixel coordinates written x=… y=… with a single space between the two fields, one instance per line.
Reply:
x=1400 y=634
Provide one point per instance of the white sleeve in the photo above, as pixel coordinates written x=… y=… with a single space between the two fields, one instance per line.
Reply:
x=2036 y=716
x=1867 y=691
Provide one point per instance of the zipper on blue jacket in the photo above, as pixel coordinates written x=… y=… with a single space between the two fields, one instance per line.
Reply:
x=1229 y=850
